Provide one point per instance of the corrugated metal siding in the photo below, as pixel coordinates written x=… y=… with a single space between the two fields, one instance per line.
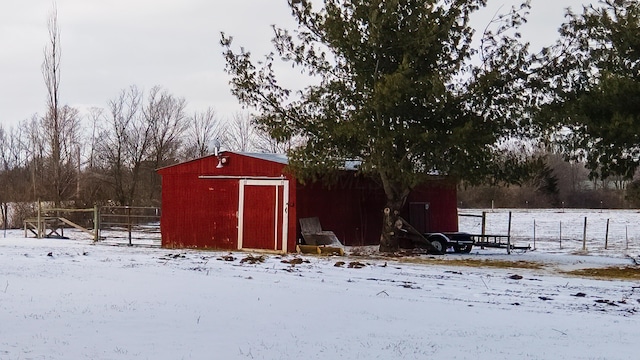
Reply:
x=202 y=213
x=237 y=165
x=352 y=208
x=198 y=213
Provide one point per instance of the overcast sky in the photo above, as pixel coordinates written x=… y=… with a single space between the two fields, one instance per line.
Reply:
x=109 y=45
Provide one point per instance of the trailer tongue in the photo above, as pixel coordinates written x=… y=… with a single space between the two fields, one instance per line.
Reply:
x=460 y=242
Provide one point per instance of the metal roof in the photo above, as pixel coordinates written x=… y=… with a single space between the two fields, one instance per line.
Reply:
x=278 y=158
x=351 y=165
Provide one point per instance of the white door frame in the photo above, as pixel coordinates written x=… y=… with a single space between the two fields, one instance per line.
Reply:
x=285 y=208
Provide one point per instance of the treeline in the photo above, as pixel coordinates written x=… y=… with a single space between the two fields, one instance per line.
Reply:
x=110 y=155
x=558 y=183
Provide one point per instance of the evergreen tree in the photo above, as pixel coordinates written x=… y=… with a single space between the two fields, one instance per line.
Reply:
x=393 y=85
x=595 y=85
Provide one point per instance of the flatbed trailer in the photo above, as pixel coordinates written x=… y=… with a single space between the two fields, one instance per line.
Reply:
x=496 y=241
x=461 y=242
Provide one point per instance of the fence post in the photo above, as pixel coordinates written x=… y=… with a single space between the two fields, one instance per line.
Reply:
x=584 y=235
x=5 y=217
x=129 y=223
x=606 y=236
x=96 y=223
x=534 y=234
x=39 y=227
x=484 y=223
x=560 y=235
x=509 y=235
x=626 y=236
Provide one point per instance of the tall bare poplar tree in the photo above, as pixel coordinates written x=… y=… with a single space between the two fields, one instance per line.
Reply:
x=51 y=74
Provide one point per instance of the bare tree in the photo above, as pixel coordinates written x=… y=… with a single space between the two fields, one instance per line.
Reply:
x=4 y=172
x=5 y=152
x=19 y=148
x=139 y=139
x=51 y=74
x=35 y=148
x=204 y=127
x=70 y=151
x=164 y=115
x=119 y=151
x=265 y=143
x=95 y=116
x=91 y=187
x=166 y=118
x=241 y=133
x=15 y=174
x=244 y=135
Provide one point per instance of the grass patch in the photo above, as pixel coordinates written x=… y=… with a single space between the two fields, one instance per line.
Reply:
x=620 y=273
x=501 y=264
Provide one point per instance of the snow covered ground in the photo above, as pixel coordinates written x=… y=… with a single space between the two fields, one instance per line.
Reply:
x=71 y=299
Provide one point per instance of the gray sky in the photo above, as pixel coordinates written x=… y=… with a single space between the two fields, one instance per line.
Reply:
x=109 y=45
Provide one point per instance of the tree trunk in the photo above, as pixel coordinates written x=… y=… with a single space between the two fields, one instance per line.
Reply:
x=391 y=224
x=389 y=237
x=397 y=194
x=51 y=73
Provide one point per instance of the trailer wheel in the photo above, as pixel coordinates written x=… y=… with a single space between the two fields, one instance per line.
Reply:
x=463 y=249
x=439 y=245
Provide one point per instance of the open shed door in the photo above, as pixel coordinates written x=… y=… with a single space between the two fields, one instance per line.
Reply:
x=420 y=216
x=263 y=214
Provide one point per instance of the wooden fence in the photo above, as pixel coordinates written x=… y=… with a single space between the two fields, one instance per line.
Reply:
x=119 y=224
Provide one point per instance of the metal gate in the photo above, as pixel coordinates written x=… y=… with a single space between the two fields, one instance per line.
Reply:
x=133 y=225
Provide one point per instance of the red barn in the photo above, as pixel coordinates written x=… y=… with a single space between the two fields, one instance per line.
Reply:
x=248 y=201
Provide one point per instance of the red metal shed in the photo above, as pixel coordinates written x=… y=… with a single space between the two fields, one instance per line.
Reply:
x=247 y=201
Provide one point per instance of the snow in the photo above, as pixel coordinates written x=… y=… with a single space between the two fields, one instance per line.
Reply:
x=73 y=299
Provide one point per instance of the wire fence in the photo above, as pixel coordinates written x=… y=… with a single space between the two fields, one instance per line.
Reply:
x=557 y=229
x=130 y=225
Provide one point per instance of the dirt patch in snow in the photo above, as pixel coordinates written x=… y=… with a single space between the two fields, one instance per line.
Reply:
x=606 y=273
x=617 y=273
x=503 y=264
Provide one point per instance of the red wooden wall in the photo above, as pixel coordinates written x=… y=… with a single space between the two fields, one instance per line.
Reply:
x=352 y=208
x=202 y=213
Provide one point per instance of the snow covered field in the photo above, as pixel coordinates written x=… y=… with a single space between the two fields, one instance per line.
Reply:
x=70 y=299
